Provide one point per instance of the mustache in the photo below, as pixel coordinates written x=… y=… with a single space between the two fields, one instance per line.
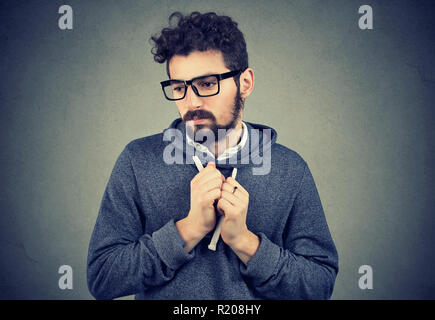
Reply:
x=200 y=114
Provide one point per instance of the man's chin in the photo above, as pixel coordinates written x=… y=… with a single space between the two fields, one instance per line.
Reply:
x=202 y=126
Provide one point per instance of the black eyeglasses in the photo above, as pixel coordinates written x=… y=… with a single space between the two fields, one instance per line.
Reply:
x=204 y=86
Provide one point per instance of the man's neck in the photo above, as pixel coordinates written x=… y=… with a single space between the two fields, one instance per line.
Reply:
x=231 y=139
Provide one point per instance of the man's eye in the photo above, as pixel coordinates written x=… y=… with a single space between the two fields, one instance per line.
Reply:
x=178 y=89
x=207 y=84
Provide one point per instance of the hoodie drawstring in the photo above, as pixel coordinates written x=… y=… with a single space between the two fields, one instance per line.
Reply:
x=217 y=231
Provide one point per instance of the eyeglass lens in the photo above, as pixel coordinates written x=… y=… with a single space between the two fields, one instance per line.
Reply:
x=204 y=86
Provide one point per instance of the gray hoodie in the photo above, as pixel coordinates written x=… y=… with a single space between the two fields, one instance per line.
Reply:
x=135 y=247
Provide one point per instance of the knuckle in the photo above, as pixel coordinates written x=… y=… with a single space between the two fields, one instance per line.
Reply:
x=213 y=194
x=214 y=183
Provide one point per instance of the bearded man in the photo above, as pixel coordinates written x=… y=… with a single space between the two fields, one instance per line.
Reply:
x=239 y=217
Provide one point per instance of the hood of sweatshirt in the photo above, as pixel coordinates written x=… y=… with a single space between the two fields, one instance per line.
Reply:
x=255 y=152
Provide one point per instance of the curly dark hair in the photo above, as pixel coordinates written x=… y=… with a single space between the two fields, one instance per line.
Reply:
x=201 y=32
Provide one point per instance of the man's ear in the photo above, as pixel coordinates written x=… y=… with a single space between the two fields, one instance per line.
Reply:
x=246 y=82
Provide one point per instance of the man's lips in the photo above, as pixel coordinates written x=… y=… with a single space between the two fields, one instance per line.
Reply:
x=197 y=120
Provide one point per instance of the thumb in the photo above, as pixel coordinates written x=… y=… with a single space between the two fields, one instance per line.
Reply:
x=211 y=164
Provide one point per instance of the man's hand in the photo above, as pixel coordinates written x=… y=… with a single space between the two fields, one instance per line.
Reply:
x=235 y=207
x=205 y=188
x=234 y=231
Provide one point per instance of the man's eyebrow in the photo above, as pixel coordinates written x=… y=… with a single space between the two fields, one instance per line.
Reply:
x=203 y=75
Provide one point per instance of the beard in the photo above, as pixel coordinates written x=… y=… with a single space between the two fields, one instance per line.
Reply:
x=214 y=126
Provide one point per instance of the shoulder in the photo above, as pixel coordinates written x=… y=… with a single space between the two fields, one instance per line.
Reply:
x=144 y=147
x=286 y=156
x=151 y=141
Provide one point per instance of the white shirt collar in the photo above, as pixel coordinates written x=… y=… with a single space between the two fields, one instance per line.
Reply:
x=228 y=152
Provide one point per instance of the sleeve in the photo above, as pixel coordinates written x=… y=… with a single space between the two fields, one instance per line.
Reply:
x=307 y=265
x=122 y=260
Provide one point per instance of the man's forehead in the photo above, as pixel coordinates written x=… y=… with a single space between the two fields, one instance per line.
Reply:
x=196 y=64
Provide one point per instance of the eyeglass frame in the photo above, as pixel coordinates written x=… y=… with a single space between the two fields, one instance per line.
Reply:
x=186 y=83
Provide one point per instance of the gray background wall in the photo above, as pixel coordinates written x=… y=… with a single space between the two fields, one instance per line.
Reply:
x=356 y=105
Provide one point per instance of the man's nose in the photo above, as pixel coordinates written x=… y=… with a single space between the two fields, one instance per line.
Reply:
x=193 y=101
